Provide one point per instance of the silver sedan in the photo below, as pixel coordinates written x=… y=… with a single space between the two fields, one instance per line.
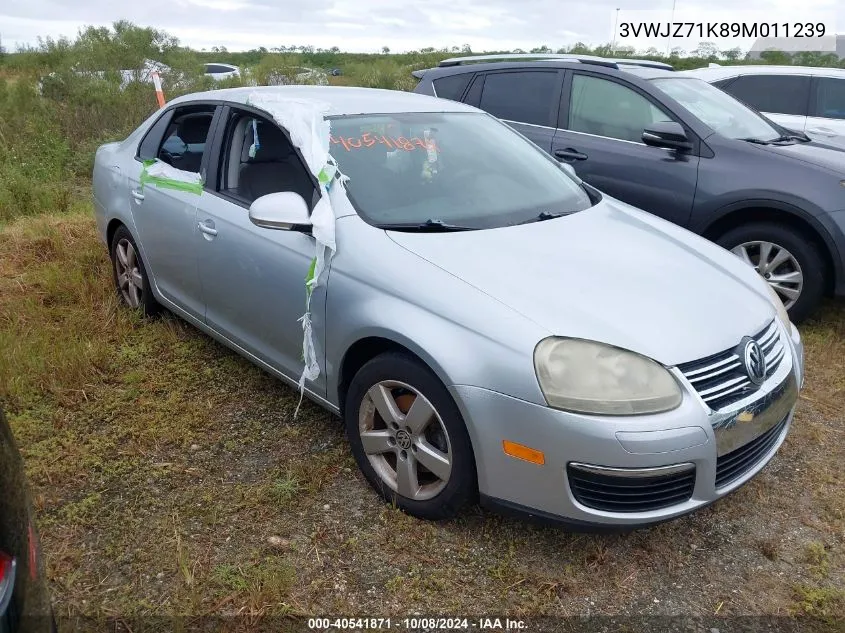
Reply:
x=490 y=328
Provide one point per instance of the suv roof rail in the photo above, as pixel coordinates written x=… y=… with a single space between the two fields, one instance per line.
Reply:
x=584 y=59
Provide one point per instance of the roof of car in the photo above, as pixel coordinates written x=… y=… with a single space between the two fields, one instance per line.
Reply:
x=342 y=100
x=641 y=72
x=718 y=72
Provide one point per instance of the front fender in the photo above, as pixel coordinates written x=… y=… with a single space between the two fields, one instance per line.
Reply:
x=463 y=335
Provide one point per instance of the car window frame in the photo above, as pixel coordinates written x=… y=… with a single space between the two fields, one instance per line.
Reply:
x=814 y=97
x=698 y=146
x=554 y=105
x=212 y=130
x=739 y=78
x=219 y=150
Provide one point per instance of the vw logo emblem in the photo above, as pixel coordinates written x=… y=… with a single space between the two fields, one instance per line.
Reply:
x=755 y=362
x=403 y=439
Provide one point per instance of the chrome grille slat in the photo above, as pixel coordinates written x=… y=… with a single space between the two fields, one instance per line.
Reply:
x=767 y=336
x=714 y=366
x=721 y=379
x=736 y=389
x=726 y=387
x=724 y=369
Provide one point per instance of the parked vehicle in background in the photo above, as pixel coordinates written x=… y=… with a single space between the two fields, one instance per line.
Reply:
x=490 y=325
x=24 y=596
x=297 y=75
x=54 y=82
x=219 y=71
x=682 y=149
x=801 y=98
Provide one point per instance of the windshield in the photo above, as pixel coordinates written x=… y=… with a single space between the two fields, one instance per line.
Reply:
x=459 y=169
x=720 y=111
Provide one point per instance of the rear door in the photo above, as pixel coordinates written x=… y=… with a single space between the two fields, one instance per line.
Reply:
x=827 y=107
x=526 y=99
x=164 y=217
x=601 y=125
x=783 y=98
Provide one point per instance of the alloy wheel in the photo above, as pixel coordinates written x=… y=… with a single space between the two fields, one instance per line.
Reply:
x=130 y=281
x=405 y=440
x=776 y=265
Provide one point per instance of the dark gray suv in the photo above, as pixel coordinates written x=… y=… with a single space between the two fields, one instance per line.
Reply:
x=682 y=149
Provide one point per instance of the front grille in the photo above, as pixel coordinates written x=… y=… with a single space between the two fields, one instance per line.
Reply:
x=721 y=379
x=622 y=492
x=731 y=466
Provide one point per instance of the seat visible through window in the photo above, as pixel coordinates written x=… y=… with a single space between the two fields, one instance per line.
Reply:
x=184 y=146
x=273 y=167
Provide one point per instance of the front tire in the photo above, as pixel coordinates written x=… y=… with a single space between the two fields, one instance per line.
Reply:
x=130 y=274
x=409 y=439
x=788 y=260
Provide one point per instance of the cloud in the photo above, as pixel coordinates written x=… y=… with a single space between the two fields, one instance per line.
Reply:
x=367 y=25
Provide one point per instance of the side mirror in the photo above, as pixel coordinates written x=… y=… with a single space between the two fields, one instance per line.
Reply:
x=285 y=211
x=666 y=134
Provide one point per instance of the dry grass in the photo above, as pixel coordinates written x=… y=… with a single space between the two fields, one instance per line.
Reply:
x=171 y=478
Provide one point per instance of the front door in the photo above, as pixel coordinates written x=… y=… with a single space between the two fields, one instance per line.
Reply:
x=602 y=140
x=253 y=279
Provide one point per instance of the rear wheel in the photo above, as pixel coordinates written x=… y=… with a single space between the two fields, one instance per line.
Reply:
x=788 y=260
x=130 y=275
x=408 y=437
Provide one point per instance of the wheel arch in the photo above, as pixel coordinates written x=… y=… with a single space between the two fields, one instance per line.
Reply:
x=772 y=211
x=368 y=347
x=111 y=229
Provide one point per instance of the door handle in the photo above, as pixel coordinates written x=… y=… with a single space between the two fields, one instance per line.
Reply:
x=139 y=197
x=205 y=228
x=570 y=154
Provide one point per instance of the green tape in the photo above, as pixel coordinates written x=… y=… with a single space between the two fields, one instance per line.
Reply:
x=168 y=183
x=310 y=277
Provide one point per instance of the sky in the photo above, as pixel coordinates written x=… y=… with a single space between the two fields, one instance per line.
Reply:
x=368 y=25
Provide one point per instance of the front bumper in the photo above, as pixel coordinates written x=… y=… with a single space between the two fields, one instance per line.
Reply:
x=689 y=435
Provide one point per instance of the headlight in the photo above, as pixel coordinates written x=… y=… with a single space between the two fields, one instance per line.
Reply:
x=783 y=315
x=587 y=377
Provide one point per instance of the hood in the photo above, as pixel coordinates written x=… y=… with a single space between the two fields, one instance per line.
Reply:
x=611 y=274
x=820 y=153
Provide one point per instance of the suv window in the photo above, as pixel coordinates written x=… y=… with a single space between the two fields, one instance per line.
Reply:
x=606 y=108
x=184 y=141
x=524 y=97
x=217 y=68
x=451 y=87
x=779 y=94
x=259 y=159
x=830 y=98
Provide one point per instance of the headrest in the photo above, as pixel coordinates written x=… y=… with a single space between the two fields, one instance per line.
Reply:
x=194 y=129
x=273 y=145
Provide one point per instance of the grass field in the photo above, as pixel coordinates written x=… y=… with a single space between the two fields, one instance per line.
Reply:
x=171 y=478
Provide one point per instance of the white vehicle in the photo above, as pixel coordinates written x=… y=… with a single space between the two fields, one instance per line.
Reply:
x=297 y=75
x=219 y=72
x=801 y=98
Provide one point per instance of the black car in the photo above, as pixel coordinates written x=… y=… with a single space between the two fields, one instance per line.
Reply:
x=680 y=148
x=24 y=597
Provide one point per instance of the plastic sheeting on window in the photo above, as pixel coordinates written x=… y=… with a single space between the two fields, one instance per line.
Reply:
x=305 y=122
x=160 y=174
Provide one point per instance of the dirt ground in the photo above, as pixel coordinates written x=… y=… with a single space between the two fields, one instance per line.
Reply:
x=171 y=479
